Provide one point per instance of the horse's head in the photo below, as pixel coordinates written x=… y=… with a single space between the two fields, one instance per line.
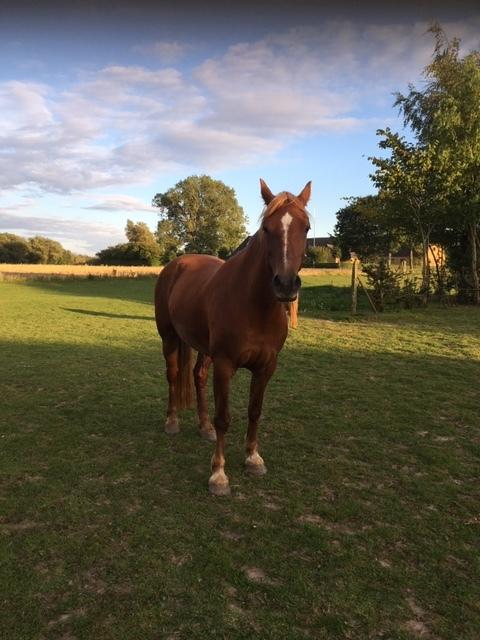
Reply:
x=285 y=225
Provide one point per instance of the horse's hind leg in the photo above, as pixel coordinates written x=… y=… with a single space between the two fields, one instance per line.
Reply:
x=222 y=374
x=171 y=348
x=200 y=374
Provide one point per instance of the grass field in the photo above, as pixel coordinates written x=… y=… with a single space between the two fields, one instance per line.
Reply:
x=39 y=271
x=366 y=526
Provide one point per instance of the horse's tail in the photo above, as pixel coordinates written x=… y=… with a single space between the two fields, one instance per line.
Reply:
x=184 y=384
x=293 y=313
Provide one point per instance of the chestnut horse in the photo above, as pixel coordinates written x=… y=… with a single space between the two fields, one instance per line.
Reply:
x=233 y=314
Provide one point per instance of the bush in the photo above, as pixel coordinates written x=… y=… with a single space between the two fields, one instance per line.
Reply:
x=390 y=288
x=411 y=296
x=384 y=283
x=443 y=282
x=130 y=254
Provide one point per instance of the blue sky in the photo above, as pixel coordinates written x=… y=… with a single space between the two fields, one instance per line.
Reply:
x=105 y=105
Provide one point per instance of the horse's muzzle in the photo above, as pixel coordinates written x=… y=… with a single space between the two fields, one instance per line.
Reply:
x=286 y=287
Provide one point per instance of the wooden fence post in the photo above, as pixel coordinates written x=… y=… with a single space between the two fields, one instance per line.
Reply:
x=372 y=304
x=354 y=285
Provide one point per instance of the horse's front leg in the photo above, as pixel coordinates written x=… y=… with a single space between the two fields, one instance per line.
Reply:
x=254 y=463
x=222 y=374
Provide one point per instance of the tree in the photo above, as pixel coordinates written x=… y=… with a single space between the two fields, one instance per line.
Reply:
x=203 y=215
x=46 y=251
x=143 y=243
x=13 y=249
x=415 y=183
x=361 y=227
x=141 y=248
x=119 y=254
x=167 y=241
x=446 y=114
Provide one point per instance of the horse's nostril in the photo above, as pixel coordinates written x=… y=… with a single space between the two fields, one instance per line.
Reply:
x=298 y=282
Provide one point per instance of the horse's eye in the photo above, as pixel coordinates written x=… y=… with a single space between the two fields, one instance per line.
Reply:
x=265 y=229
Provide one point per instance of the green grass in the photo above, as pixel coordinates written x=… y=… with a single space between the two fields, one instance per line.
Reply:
x=366 y=525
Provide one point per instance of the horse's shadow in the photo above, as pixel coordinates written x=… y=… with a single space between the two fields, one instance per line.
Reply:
x=106 y=314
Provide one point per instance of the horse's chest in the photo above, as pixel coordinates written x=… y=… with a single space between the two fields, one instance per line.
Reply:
x=257 y=347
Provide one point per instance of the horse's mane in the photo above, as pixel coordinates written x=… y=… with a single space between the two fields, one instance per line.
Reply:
x=278 y=201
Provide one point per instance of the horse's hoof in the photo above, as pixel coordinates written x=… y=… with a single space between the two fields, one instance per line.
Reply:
x=209 y=434
x=255 y=465
x=256 y=469
x=219 y=490
x=218 y=484
x=172 y=426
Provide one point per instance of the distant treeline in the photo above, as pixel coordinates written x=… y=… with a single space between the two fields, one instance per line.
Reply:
x=197 y=215
x=37 y=250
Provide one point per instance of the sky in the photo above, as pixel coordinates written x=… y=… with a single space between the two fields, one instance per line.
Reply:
x=105 y=104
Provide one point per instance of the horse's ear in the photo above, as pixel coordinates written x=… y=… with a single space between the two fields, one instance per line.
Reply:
x=267 y=195
x=304 y=196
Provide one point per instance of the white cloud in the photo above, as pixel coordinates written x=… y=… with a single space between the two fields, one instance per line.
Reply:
x=314 y=79
x=81 y=139
x=121 y=203
x=76 y=235
x=24 y=105
x=127 y=124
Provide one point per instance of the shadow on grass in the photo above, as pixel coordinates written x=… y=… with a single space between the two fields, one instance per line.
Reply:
x=106 y=314
x=131 y=289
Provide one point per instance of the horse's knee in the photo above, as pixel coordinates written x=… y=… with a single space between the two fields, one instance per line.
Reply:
x=200 y=377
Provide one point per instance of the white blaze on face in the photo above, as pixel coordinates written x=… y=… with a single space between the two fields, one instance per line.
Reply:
x=286 y=220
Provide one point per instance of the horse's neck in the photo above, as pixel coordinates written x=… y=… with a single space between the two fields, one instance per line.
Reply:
x=255 y=277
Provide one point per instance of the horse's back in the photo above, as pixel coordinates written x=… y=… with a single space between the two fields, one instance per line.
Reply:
x=180 y=297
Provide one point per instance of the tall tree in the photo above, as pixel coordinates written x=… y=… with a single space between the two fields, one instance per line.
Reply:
x=415 y=182
x=446 y=114
x=204 y=215
x=361 y=227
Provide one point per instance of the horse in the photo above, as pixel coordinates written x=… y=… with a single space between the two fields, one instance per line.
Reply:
x=233 y=314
